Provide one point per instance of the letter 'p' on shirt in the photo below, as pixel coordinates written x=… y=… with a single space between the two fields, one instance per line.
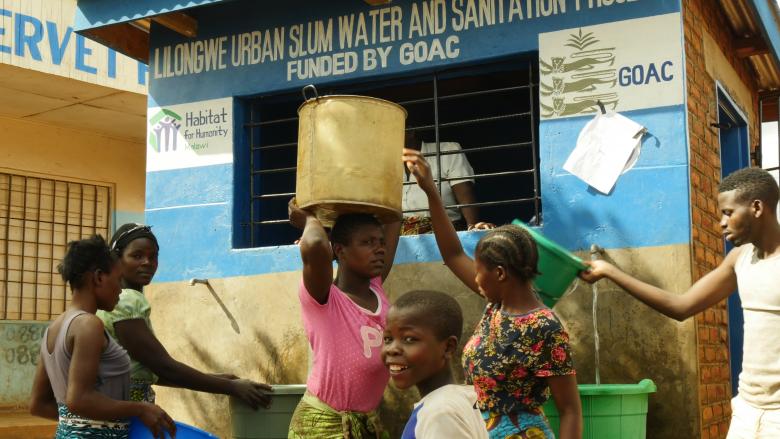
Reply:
x=346 y=340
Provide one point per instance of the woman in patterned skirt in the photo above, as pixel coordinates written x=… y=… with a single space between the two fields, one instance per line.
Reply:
x=83 y=376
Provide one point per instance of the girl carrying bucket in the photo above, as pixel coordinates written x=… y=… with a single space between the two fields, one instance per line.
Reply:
x=519 y=353
x=344 y=321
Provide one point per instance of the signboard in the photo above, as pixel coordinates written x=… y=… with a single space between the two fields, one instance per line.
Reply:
x=189 y=135
x=38 y=35
x=259 y=46
x=625 y=65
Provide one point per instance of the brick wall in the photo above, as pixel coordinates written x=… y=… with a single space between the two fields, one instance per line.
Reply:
x=707 y=244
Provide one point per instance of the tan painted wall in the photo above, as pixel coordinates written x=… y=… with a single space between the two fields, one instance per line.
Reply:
x=259 y=335
x=40 y=149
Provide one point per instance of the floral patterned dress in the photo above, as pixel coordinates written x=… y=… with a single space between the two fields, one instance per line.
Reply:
x=508 y=360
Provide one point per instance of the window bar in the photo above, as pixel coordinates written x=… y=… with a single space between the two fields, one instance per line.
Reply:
x=436 y=130
x=80 y=216
x=483 y=148
x=7 y=229
x=268 y=222
x=271 y=122
x=275 y=146
x=251 y=176
x=492 y=203
x=480 y=203
x=489 y=174
x=274 y=170
x=463 y=95
x=51 y=247
x=470 y=121
x=278 y=195
x=65 y=235
x=778 y=129
x=533 y=141
x=21 y=261
x=483 y=92
x=37 y=247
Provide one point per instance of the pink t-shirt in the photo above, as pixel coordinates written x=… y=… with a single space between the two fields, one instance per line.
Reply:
x=347 y=372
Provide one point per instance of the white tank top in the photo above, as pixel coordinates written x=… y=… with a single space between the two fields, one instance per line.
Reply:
x=759 y=291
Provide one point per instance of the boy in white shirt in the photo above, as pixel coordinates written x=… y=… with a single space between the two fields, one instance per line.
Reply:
x=420 y=339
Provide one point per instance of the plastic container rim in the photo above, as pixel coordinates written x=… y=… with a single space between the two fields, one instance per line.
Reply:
x=551 y=246
x=288 y=389
x=644 y=386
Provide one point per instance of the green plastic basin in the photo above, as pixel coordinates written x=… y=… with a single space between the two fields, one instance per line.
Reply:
x=610 y=411
x=271 y=423
x=557 y=266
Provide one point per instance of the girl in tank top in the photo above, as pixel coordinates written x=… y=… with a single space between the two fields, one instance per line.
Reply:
x=83 y=376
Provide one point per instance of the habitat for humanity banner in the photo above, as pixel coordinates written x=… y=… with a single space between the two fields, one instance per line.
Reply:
x=625 y=65
x=189 y=135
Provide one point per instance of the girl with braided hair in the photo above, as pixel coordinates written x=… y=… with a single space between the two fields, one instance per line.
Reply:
x=130 y=324
x=519 y=353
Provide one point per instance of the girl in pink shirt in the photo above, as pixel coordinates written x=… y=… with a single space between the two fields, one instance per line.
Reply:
x=344 y=320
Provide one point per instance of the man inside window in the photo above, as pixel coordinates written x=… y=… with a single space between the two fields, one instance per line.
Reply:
x=459 y=191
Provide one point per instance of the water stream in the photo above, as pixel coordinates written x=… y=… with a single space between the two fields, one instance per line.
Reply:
x=594 y=254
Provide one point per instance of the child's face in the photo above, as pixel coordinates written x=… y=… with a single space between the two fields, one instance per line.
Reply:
x=487 y=280
x=411 y=352
x=139 y=262
x=365 y=253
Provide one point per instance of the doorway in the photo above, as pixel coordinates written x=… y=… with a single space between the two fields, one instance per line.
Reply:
x=734 y=155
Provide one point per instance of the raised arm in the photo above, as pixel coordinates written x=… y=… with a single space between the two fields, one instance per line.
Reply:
x=316 y=253
x=144 y=347
x=706 y=292
x=83 y=399
x=446 y=238
x=392 y=234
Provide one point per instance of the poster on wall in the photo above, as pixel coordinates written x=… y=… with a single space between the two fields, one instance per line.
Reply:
x=625 y=65
x=189 y=135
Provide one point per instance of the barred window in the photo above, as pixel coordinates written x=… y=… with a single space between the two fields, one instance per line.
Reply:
x=38 y=217
x=490 y=110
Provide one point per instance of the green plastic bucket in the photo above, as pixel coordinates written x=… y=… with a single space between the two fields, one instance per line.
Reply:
x=610 y=411
x=271 y=423
x=558 y=267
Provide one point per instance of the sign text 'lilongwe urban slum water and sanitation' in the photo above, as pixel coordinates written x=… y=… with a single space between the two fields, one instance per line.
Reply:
x=365 y=41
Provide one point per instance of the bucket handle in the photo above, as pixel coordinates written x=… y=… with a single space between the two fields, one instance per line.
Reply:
x=311 y=88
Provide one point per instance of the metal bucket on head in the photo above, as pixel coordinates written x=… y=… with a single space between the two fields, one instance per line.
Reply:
x=349 y=151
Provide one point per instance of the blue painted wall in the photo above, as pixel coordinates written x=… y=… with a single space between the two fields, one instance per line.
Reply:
x=192 y=209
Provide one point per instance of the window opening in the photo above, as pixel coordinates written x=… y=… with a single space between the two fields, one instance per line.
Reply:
x=38 y=217
x=489 y=110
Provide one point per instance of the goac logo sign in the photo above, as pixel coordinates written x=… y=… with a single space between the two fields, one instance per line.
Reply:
x=164 y=130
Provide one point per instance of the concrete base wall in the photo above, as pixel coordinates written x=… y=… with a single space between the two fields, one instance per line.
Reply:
x=258 y=334
x=20 y=344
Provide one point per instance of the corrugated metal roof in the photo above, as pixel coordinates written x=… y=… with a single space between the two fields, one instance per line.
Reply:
x=745 y=23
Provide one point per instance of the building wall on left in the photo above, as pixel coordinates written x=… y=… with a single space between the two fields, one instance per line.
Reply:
x=72 y=118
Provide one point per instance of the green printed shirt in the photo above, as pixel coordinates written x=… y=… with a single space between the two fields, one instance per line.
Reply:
x=132 y=305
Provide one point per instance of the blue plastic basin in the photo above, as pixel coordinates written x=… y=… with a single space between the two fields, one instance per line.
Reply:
x=183 y=431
